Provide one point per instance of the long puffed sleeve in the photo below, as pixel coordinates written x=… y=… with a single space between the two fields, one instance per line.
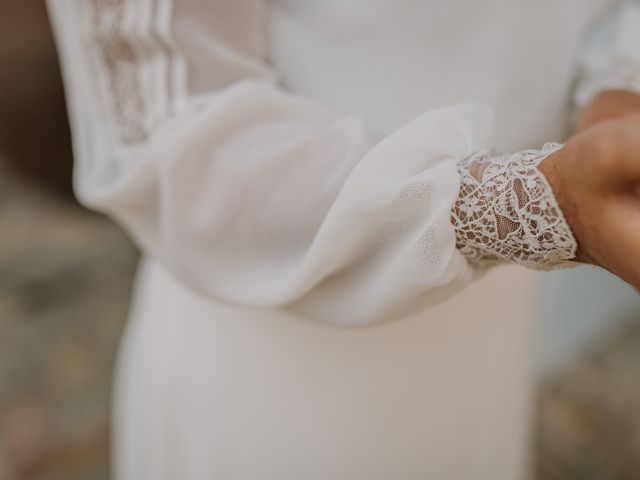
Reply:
x=611 y=60
x=247 y=193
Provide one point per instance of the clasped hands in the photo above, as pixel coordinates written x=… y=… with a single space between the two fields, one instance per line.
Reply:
x=596 y=180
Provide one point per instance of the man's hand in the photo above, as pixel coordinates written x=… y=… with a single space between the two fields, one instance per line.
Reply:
x=596 y=180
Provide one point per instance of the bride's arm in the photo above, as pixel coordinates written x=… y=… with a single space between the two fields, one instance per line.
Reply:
x=253 y=195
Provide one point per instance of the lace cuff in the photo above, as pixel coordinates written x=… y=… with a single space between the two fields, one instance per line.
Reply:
x=506 y=212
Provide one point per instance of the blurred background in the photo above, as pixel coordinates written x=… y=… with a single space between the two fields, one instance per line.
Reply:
x=66 y=274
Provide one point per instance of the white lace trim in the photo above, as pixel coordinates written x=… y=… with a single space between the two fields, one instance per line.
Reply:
x=139 y=71
x=120 y=64
x=506 y=212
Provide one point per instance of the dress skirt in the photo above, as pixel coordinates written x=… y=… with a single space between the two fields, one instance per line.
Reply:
x=212 y=391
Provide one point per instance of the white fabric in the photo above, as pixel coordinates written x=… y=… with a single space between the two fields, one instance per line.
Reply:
x=507 y=212
x=254 y=196
x=210 y=392
x=611 y=61
x=302 y=155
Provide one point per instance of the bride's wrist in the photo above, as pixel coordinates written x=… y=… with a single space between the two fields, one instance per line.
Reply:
x=507 y=212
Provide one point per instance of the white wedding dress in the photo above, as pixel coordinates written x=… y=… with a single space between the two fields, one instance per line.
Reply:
x=288 y=167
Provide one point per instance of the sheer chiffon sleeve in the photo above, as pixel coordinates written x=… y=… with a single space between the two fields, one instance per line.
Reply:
x=248 y=193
